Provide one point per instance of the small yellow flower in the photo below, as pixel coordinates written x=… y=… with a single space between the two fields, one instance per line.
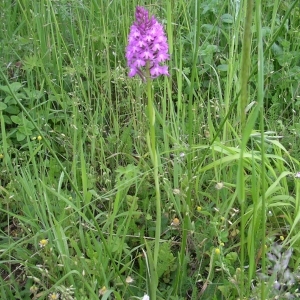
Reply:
x=175 y=222
x=281 y=238
x=199 y=208
x=39 y=138
x=102 y=291
x=53 y=296
x=43 y=243
x=217 y=251
x=222 y=244
x=1 y=155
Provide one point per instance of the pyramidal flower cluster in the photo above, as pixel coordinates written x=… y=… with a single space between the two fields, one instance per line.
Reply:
x=147 y=46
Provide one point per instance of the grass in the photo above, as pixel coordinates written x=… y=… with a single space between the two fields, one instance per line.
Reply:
x=204 y=207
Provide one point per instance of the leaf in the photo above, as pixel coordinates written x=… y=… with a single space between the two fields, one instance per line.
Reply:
x=166 y=259
x=7 y=120
x=2 y=106
x=10 y=100
x=28 y=124
x=266 y=31
x=31 y=62
x=151 y=272
x=224 y=290
x=285 y=258
x=33 y=94
x=276 y=49
x=16 y=120
x=232 y=256
x=24 y=130
x=20 y=136
x=107 y=294
x=227 y=18
x=207 y=27
x=128 y=172
x=222 y=68
x=12 y=109
x=132 y=202
x=15 y=86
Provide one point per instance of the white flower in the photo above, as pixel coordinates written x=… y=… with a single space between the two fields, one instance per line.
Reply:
x=129 y=280
x=146 y=297
x=219 y=185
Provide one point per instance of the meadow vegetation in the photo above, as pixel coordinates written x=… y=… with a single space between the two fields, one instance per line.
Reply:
x=78 y=197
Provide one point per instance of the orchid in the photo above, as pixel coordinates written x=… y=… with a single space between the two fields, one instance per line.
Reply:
x=146 y=52
x=147 y=46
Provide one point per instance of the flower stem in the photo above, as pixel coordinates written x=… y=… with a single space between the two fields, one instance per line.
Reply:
x=154 y=158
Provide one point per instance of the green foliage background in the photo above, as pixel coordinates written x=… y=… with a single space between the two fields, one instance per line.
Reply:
x=75 y=167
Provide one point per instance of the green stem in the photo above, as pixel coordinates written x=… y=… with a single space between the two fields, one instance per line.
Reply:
x=245 y=67
x=246 y=59
x=260 y=99
x=154 y=158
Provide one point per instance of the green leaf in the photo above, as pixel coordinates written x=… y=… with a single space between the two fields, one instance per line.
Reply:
x=31 y=62
x=12 y=109
x=232 y=256
x=24 y=130
x=10 y=100
x=15 y=86
x=117 y=295
x=276 y=49
x=33 y=94
x=227 y=18
x=225 y=290
x=20 y=136
x=207 y=27
x=16 y=120
x=7 y=120
x=2 y=106
x=166 y=259
x=222 y=68
x=28 y=124
x=107 y=294
x=132 y=202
